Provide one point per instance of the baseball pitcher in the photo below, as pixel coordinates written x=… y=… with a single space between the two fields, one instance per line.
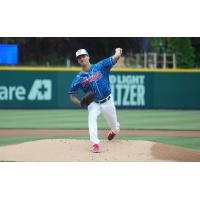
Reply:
x=94 y=81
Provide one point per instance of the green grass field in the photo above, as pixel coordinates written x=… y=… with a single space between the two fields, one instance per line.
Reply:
x=77 y=119
x=129 y=119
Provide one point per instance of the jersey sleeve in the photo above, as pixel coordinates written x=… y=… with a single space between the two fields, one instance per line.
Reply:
x=74 y=86
x=107 y=63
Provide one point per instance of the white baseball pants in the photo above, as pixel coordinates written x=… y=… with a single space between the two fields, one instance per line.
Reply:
x=109 y=112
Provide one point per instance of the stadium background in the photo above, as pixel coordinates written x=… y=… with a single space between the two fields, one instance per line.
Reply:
x=150 y=97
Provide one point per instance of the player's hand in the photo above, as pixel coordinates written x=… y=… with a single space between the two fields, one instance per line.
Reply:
x=118 y=51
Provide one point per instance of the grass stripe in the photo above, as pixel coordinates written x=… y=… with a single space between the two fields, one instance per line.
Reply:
x=77 y=119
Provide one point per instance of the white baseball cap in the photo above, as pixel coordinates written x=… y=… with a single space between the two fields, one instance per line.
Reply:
x=81 y=52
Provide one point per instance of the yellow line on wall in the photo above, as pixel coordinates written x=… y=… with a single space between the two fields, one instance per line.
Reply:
x=39 y=69
x=42 y=68
x=154 y=70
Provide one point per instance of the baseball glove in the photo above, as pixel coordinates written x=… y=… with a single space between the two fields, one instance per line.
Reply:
x=87 y=99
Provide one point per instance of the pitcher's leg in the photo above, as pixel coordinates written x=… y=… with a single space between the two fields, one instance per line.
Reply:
x=109 y=112
x=93 y=113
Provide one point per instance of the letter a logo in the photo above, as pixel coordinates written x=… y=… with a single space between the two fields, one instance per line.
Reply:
x=41 y=90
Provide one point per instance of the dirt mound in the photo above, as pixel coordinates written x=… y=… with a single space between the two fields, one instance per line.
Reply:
x=79 y=150
x=168 y=152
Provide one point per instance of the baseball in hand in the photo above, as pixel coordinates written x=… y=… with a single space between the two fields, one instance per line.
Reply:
x=118 y=51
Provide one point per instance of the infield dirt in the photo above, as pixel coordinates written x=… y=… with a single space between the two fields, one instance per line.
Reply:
x=78 y=150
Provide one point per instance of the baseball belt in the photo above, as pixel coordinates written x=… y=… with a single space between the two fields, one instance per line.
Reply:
x=103 y=100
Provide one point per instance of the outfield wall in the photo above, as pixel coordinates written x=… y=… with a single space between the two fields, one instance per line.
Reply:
x=41 y=87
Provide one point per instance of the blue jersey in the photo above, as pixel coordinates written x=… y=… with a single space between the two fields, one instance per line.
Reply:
x=95 y=80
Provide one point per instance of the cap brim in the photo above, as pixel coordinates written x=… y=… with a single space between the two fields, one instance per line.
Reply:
x=81 y=55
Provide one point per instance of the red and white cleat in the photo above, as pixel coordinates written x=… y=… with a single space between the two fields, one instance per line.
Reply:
x=95 y=148
x=111 y=135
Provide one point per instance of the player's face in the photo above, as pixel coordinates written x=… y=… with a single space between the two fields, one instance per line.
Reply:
x=83 y=60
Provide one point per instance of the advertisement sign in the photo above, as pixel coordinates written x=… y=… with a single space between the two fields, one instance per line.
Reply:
x=49 y=89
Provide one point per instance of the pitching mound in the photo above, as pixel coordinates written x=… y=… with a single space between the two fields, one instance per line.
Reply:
x=79 y=150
